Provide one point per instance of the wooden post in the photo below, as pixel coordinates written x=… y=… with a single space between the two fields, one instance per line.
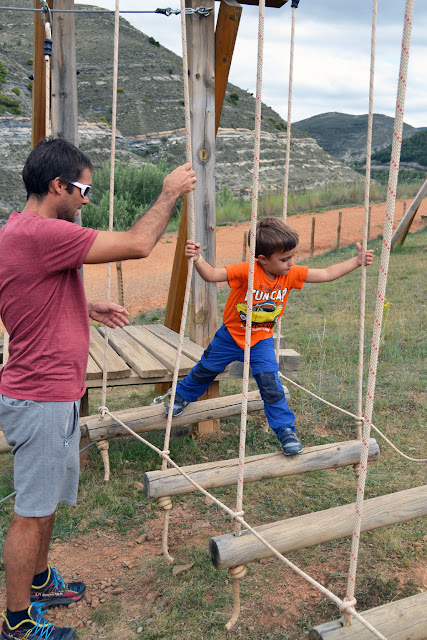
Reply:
x=313 y=227
x=398 y=620
x=401 y=232
x=369 y=223
x=403 y=208
x=38 y=129
x=339 y=230
x=245 y=246
x=317 y=527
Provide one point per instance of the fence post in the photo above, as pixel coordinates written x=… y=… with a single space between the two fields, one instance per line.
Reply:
x=245 y=246
x=313 y=226
x=120 y=286
x=339 y=230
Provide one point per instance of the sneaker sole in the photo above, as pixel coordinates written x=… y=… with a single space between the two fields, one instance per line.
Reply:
x=293 y=454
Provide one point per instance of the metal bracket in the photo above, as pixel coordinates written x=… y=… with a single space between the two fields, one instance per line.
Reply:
x=203 y=11
x=45 y=9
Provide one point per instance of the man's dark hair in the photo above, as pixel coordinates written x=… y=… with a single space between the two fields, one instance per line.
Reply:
x=50 y=159
x=274 y=235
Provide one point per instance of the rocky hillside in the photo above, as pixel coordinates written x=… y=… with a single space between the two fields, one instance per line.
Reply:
x=344 y=135
x=150 y=111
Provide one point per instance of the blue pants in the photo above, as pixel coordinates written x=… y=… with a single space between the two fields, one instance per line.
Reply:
x=223 y=350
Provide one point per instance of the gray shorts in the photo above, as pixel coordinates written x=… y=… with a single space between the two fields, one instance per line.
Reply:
x=45 y=438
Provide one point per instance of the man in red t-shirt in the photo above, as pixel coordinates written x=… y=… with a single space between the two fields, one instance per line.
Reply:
x=44 y=309
x=274 y=276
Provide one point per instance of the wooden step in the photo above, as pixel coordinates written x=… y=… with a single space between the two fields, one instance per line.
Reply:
x=400 y=620
x=317 y=527
x=153 y=417
x=223 y=473
x=116 y=366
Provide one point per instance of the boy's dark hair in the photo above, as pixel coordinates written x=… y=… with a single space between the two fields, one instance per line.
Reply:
x=274 y=235
x=50 y=159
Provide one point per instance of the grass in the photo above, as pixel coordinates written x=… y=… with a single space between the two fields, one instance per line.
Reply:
x=322 y=324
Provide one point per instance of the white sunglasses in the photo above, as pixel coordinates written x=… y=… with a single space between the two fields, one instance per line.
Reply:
x=84 y=188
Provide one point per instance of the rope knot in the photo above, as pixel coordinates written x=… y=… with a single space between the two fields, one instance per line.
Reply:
x=103 y=410
x=237 y=514
x=347 y=603
x=103 y=445
x=165 y=503
x=237 y=573
x=165 y=452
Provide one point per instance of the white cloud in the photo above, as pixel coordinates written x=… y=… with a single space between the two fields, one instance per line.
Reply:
x=332 y=54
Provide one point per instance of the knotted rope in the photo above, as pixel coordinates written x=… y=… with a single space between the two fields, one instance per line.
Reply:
x=382 y=283
x=111 y=215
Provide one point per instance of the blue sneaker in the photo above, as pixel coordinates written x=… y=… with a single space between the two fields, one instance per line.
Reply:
x=289 y=441
x=56 y=591
x=178 y=407
x=35 y=627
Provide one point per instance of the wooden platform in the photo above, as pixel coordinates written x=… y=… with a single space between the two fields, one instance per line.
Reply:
x=145 y=354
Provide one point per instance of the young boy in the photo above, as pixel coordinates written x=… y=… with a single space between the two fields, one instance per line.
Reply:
x=275 y=275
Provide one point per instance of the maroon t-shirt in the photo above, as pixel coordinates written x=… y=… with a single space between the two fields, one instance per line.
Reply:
x=43 y=307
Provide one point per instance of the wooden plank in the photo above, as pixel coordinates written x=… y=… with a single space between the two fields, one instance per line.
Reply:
x=189 y=349
x=227 y=25
x=401 y=232
x=317 y=527
x=162 y=351
x=223 y=473
x=116 y=366
x=401 y=620
x=93 y=372
x=153 y=417
x=135 y=355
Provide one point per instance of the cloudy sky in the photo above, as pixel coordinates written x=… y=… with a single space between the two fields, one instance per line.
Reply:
x=332 y=54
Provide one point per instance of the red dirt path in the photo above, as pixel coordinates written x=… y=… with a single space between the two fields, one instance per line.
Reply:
x=147 y=281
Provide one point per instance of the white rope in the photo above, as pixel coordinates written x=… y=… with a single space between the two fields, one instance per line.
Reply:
x=288 y=152
x=344 y=605
x=190 y=201
x=48 y=124
x=104 y=449
x=366 y=218
x=382 y=283
x=249 y=296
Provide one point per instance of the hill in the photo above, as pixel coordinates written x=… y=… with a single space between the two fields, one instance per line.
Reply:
x=150 y=113
x=413 y=154
x=344 y=135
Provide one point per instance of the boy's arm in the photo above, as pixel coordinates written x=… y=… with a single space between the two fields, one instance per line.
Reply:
x=340 y=269
x=203 y=268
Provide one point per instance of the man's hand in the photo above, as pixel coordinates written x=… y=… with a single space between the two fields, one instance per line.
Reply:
x=369 y=255
x=110 y=313
x=180 y=181
x=192 y=249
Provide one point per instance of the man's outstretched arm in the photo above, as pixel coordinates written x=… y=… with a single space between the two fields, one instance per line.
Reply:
x=139 y=240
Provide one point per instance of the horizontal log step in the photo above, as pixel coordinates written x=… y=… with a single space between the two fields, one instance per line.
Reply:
x=400 y=620
x=223 y=473
x=317 y=527
x=153 y=417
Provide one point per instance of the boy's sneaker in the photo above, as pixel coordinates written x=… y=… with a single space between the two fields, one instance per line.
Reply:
x=289 y=441
x=56 y=591
x=35 y=627
x=178 y=407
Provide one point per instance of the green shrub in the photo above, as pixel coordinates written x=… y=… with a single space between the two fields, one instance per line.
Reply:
x=29 y=62
x=16 y=91
x=135 y=190
x=3 y=72
x=233 y=98
x=120 y=90
x=9 y=104
x=153 y=41
x=30 y=85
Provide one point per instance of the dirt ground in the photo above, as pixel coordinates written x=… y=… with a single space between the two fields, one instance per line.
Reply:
x=146 y=281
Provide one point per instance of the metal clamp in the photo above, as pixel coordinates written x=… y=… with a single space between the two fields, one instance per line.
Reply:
x=45 y=9
x=203 y=11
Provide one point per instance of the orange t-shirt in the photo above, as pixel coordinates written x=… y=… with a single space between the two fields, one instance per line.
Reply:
x=269 y=300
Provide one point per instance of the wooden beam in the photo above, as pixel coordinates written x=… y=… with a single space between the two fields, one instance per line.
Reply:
x=38 y=129
x=317 y=527
x=153 y=418
x=227 y=26
x=402 y=230
x=400 y=620
x=223 y=473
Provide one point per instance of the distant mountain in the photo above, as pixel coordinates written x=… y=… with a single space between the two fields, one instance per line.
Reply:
x=413 y=153
x=150 y=112
x=344 y=135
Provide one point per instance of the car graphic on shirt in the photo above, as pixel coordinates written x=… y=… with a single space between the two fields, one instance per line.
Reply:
x=267 y=311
